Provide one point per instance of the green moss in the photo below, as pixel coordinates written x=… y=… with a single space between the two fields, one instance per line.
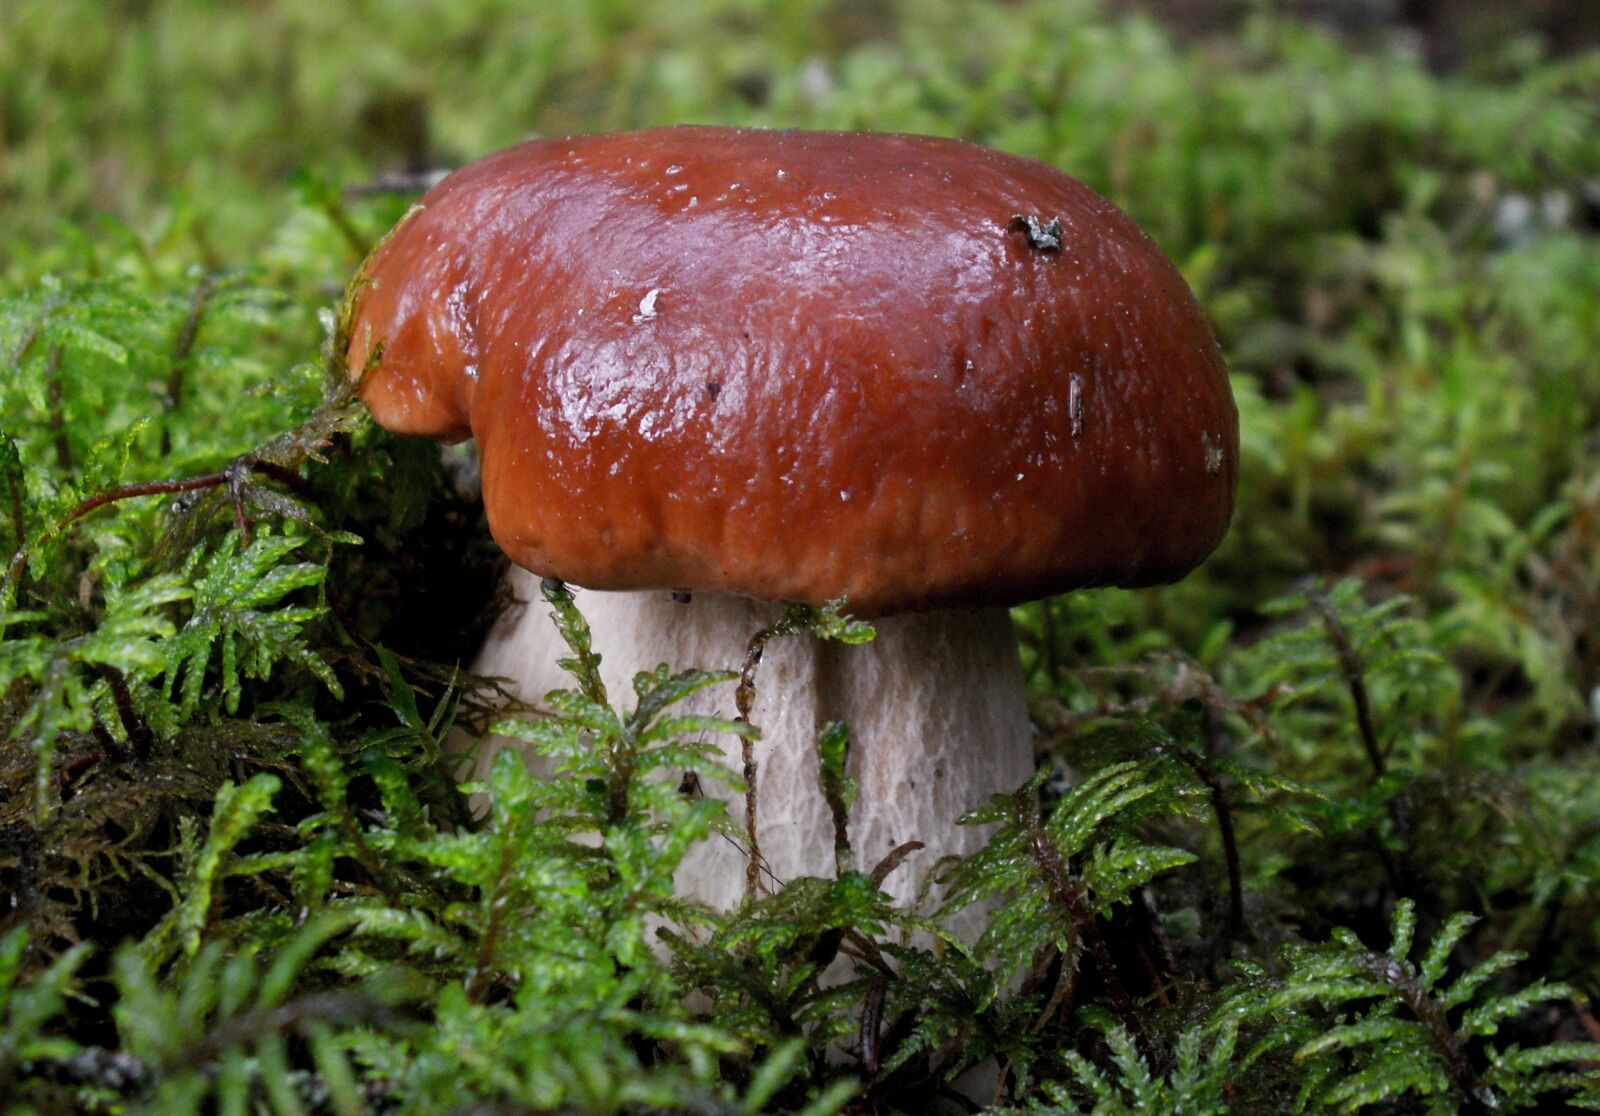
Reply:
x=237 y=874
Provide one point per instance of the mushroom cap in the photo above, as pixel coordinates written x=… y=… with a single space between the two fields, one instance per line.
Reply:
x=804 y=366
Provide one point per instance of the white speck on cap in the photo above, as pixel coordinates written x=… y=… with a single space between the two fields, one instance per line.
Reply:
x=647 y=305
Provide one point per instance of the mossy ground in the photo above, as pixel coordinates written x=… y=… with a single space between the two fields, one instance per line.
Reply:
x=1331 y=835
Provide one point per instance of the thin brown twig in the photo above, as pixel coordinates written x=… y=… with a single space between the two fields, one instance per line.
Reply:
x=832 y=779
x=235 y=475
x=1064 y=996
x=236 y=480
x=871 y=1022
x=1225 y=831
x=139 y=734
x=183 y=349
x=744 y=701
x=478 y=979
x=1354 y=680
x=892 y=860
x=19 y=523
x=1432 y=1017
x=19 y=560
x=58 y=420
x=1401 y=878
x=1068 y=897
x=797 y=618
x=333 y=208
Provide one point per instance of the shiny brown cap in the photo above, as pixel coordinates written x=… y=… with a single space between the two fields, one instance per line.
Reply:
x=803 y=366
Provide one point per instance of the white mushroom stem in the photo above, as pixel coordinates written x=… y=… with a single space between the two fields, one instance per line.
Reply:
x=935 y=706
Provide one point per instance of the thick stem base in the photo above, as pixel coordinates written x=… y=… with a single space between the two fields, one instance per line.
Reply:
x=935 y=706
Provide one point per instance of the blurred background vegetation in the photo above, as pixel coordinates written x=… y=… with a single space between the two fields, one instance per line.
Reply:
x=1391 y=212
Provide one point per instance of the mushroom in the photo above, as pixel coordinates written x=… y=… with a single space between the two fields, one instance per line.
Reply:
x=757 y=367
